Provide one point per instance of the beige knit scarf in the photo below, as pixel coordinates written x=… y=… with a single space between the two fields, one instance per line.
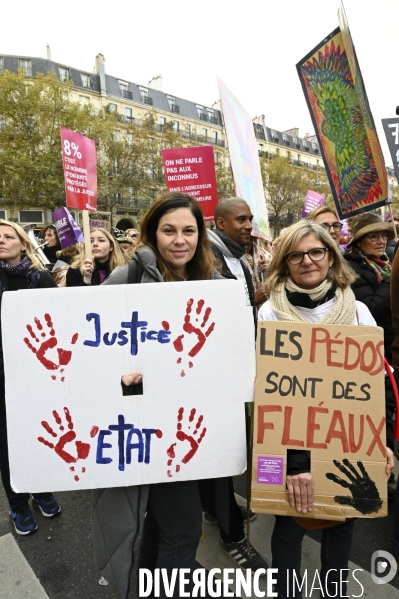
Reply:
x=343 y=310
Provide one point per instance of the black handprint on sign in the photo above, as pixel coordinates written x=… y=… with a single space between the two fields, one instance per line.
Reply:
x=199 y=331
x=45 y=341
x=365 y=497
x=190 y=436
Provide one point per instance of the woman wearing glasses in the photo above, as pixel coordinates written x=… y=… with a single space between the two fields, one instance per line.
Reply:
x=308 y=281
x=367 y=258
x=327 y=218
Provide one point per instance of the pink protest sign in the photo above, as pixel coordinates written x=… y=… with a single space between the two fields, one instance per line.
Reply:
x=312 y=201
x=80 y=170
x=192 y=171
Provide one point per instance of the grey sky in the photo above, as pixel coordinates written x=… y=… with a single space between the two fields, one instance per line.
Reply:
x=253 y=46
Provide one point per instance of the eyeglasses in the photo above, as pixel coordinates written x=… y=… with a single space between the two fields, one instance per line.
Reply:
x=336 y=226
x=374 y=237
x=315 y=254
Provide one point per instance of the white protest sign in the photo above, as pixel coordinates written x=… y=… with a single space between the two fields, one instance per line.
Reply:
x=65 y=350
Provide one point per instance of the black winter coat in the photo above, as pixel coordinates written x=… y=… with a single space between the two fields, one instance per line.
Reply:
x=14 y=282
x=376 y=296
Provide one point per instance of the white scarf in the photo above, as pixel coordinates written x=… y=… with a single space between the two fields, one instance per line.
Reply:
x=343 y=310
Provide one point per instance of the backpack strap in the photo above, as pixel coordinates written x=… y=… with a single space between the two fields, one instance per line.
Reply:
x=135 y=272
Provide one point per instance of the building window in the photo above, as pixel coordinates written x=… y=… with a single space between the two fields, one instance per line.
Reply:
x=3 y=214
x=86 y=82
x=117 y=135
x=64 y=74
x=217 y=157
x=30 y=216
x=129 y=114
x=112 y=108
x=176 y=125
x=124 y=89
x=129 y=139
x=205 y=132
x=188 y=128
x=260 y=147
x=162 y=121
x=84 y=100
x=215 y=137
x=171 y=102
x=145 y=95
x=25 y=66
x=1 y=65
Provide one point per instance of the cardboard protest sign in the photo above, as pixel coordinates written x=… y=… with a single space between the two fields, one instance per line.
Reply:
x=345 y=129
x=100 y=220
x=244 y=158
x=313 y=200
x=80 y=170
x=320 y=389
x=72 y=427
x=391 y=130
x=67 y=229
x=192 y=171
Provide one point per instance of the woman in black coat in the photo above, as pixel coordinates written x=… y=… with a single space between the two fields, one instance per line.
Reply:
x=107 y=255
x=367 y=258
x=19 y=269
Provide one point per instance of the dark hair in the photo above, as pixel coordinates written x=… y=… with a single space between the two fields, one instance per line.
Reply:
x=203 y=262
x=52 y=228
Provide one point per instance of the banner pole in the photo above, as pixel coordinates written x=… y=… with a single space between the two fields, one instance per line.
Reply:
x=393 y=222
x=86 y=233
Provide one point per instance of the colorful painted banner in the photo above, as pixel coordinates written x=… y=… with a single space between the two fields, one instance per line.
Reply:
x=244 y=159
x=345 y=129
x=80 y=170
x=76 y=429
x=313 y=200
x=67 y=229
x=192 y=171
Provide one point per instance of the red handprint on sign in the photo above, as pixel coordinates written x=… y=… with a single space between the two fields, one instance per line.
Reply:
x=199 y=331
x=45 y=341
x=190 y=436
x=81 y=449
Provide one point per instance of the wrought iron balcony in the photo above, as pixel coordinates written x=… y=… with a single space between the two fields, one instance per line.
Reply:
x=127 y=94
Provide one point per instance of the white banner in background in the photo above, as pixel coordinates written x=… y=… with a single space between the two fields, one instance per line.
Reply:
x=65 y=350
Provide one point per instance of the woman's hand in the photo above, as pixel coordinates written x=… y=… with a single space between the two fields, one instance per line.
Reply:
x=262 y=264
x=300 y=491
x=132 y=379
x=87 y=270
x=260 y=295
x=390 y=462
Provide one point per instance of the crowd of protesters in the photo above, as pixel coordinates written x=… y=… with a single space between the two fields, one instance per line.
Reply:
x=309 y=273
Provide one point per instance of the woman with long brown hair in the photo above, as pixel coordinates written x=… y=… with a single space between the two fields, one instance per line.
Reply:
x=173 y=247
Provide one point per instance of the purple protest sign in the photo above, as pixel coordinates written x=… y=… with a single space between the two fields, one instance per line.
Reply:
x=312 y=201
x=67 y=229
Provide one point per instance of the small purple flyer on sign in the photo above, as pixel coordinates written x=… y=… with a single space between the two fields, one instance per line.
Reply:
x=270 y=470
